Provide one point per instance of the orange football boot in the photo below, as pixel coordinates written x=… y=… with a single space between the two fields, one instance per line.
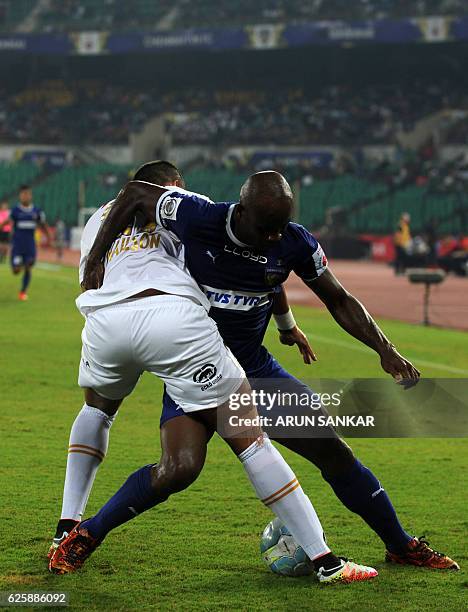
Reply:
x=73 y=551
x=421 y=554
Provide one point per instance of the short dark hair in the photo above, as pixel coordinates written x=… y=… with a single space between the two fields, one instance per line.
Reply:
x=24 y=187
x=159 y=172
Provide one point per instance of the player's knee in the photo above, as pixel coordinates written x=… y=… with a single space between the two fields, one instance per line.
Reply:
x=184 y=470
x=175 y=474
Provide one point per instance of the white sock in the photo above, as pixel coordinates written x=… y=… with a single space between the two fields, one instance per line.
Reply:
x=278 y=488
x=89 y=439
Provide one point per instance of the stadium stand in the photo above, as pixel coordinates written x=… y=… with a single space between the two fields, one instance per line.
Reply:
x=458 y=132
x=242 y=12
x=56 y=112
x=59 y=195
x=66 y=15
x=12 y=175
x=78 y=15
x=13 y=12
x=87 y=111
x=369 y=203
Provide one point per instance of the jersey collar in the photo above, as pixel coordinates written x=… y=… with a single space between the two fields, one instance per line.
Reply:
x=229 y=231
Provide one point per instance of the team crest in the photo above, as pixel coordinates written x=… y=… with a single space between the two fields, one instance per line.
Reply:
x=169 y=208
x=275 y=276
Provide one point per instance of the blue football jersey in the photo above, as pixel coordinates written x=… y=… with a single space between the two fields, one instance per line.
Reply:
x=238 y=281
x=25 y=221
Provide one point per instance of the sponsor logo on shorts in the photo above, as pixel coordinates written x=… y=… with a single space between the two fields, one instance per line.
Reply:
x=205 y=373
x=211 y=383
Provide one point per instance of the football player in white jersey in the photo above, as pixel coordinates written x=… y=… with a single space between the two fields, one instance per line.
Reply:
x=150 y=315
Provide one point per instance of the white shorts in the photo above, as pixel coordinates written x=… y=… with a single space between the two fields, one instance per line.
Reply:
x=167 y=335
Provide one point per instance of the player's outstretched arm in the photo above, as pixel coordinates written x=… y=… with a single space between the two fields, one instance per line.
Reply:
x=351 y=315
x=135 y=197
x=289 y=332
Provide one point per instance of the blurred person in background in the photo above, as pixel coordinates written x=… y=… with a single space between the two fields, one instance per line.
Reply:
x=5 y=232
x=60 y=231
x=402 y=242
x=25 y=219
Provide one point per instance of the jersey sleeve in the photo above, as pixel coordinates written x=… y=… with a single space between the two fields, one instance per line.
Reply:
x=311 y=260
x=180 y=211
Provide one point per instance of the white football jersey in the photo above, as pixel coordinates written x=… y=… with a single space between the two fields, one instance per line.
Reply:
x=141 y=258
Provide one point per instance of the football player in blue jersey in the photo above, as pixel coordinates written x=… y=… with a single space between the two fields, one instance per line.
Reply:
x=25 y=219
x=240 y=254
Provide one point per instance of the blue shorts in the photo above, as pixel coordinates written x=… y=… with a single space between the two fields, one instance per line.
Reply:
x=22 y=256
x=271 y=369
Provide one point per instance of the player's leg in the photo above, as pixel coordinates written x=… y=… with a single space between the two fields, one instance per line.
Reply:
x=174 y=338
x=29 y=261
x=278 y=488
x=184 y=441
x=355 y=485
x=104 y=341
x=16 y=260
x=17 y=266
x=28 y=265
x=87 y=448
x=206 y=373
x=146 y=488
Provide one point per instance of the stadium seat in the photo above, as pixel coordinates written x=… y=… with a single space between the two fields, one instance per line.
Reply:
x=13 y=175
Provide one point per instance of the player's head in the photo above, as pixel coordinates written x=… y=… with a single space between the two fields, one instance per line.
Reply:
x=265 y=208
x=406 y=217
x=160 y=172
x=25 y=195
x=3 y=204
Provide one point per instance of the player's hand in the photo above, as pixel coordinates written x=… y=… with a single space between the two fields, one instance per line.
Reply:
x=296 y=336
x=402 y=370
x=93 y=275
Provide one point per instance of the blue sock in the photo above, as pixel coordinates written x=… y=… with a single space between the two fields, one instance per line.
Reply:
x=26 y=280
x=134 y=497
x=360 y=492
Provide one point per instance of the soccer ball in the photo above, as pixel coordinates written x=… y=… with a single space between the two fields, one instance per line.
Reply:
x=281 y=553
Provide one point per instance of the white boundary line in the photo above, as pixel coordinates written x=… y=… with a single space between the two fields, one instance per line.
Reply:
x=365 y=349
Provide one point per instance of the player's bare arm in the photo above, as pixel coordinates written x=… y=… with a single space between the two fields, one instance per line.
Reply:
x=289 y=332
x=351 y=315
x=135 y=197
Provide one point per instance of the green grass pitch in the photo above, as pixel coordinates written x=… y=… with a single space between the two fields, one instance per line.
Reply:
x=200 y=550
